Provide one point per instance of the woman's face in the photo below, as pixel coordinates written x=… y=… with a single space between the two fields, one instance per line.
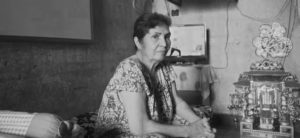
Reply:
x=155 y=43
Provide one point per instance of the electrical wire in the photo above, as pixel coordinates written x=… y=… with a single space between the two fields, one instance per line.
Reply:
x=284 y=6
x=288 y=32
x=168 y=8
x=294 y=10
x=291 y=20
x=137 y=10
x=291 y=23
x=227 y=37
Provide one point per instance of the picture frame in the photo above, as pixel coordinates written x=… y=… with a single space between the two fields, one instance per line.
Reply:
x=56 y=20
x=188 y=43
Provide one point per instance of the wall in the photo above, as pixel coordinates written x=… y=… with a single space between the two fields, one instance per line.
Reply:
x=66 y=77
x=232 y=26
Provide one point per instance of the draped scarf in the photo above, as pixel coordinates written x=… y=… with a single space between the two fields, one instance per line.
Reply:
x=157 y=90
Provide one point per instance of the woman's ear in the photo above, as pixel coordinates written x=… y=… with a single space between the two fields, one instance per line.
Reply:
x=137 y=42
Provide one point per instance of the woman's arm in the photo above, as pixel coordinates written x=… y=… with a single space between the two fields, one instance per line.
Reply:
x=184 y=111
x=140 y=124
x=182 y=108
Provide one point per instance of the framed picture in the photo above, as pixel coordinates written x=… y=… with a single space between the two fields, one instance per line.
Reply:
x=59 y=19
x=188 y=43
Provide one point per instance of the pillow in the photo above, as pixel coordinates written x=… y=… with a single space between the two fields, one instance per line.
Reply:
x=35 y=125
x=15 y=122
x=45 y=125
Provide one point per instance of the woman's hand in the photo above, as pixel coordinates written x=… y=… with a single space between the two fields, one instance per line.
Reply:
x=201 y=129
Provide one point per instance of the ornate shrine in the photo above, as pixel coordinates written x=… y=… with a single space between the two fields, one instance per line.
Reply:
x=267 y=98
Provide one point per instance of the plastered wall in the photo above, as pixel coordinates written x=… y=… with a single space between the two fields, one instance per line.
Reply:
x=232 y=26
x=66 y=78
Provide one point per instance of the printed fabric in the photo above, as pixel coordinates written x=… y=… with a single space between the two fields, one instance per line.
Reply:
x=16 y=123
x=128 y=78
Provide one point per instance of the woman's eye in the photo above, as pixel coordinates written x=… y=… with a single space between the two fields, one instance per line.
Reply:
x=156 y=36
x=167 y=37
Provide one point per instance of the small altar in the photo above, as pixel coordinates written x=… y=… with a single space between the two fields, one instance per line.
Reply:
x=267 y=97
x=267 y=102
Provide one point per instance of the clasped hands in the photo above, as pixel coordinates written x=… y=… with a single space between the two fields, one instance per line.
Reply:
x=201 y=129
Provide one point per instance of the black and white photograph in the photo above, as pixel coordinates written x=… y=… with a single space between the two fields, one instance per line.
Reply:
x=149 y=69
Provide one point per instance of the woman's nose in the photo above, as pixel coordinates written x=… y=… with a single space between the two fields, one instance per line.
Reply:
x=163 y=42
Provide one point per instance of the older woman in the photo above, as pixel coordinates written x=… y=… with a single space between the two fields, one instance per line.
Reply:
x=140 y=99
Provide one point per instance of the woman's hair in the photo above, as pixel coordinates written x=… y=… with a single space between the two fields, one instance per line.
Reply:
x=148 y=21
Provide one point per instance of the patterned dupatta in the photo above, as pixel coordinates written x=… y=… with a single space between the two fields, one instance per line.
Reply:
x=159 y=83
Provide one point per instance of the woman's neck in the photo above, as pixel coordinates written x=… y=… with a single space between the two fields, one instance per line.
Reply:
x=151 y=65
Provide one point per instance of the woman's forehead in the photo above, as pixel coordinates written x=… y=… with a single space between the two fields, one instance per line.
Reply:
x=162 y=29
